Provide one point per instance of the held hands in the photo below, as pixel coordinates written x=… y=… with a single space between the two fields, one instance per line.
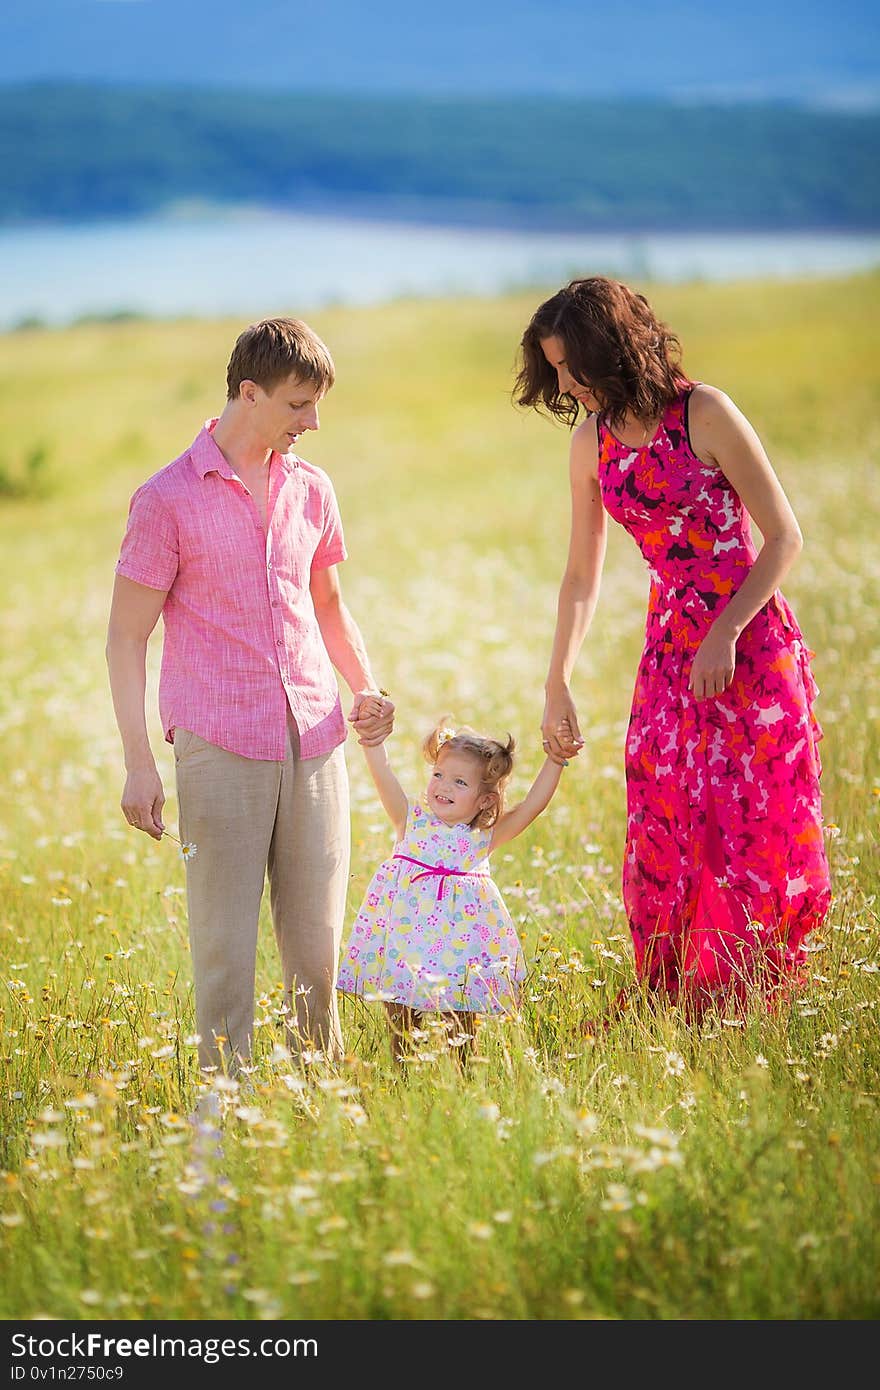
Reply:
x=559 y=728
x=713 y=665
x=142 y=801
x=372 y=717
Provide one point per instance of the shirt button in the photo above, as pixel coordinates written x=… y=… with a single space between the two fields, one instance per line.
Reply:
x=274 y=603
x=279 y=643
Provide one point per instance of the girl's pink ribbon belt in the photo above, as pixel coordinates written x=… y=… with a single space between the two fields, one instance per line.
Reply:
x=440 y=872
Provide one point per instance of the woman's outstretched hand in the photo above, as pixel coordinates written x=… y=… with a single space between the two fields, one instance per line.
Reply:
x=560 y=733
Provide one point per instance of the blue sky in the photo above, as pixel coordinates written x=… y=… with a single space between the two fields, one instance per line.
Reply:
x=802 y=50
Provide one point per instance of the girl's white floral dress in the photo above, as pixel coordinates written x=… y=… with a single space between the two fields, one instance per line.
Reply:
x=433 y=931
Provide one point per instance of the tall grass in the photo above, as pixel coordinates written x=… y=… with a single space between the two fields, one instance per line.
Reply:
x=652 y=1171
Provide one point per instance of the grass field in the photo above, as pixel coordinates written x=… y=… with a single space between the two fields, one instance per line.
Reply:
x=658 y=1172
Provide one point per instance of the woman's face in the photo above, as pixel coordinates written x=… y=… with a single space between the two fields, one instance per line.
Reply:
x=554 y=350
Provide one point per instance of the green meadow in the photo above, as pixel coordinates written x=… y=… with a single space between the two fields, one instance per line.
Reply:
x=655 y=1171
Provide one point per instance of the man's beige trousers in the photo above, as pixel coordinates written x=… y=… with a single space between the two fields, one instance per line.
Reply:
x=246 y=817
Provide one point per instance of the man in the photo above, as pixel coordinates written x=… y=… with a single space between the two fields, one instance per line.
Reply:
x=236 y=544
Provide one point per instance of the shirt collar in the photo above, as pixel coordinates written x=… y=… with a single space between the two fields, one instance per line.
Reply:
x=208 y=458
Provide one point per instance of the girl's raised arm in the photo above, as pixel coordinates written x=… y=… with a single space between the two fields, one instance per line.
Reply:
x=391 y=793
x=515 y=821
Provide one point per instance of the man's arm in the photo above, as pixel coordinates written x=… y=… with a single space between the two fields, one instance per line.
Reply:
x=134 y=613
x=346 y=649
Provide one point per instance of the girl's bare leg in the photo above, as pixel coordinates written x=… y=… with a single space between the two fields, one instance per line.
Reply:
x=401 y=1022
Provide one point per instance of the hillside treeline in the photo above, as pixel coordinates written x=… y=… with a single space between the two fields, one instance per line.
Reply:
x=73 y=151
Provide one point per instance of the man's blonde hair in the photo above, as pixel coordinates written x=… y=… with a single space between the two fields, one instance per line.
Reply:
x=270 y=351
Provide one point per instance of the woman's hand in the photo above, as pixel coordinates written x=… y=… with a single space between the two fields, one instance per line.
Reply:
x=713 y=665
x=559 y=727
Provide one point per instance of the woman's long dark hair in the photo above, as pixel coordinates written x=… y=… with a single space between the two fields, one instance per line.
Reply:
x=614 y=344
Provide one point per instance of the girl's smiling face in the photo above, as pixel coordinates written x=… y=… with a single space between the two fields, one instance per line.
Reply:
x=454 y=788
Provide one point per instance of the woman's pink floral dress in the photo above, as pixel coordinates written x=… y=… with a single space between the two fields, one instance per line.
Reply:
x=725 y=870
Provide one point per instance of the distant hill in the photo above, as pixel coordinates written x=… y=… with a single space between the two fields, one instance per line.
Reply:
x=74 y=151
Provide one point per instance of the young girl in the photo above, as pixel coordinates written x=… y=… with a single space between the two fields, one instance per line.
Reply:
x=433 y=933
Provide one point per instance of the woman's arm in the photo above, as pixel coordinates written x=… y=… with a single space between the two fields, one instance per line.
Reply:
x=578 y=593
x=721 y=435
x=515 y=821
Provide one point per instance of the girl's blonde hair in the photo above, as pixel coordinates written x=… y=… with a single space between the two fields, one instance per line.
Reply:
x=495 y=761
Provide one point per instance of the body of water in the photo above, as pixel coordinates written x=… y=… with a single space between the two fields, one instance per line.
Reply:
x=259 y=263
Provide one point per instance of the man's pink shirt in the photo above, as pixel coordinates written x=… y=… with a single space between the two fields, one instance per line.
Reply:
x=242 y=643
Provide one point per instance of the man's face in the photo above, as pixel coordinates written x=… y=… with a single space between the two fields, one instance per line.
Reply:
x=283 y=413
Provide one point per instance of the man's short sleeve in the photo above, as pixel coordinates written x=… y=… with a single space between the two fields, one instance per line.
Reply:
x=331 y=547
x=149 y=553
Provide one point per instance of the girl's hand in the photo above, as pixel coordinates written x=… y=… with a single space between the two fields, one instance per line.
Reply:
x=713 y=665
x=372 y=718
x=559 y=727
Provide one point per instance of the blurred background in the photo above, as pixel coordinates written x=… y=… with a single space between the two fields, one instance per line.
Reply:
x=414 y=179
x=215 y=158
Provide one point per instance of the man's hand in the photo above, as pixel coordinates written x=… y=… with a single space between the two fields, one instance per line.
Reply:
x=372 y=717
x=142 y=801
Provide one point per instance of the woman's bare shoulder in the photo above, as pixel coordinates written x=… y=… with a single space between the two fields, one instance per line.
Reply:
x=585 y=446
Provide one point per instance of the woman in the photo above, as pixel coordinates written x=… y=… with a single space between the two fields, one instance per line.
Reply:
x=725 y=869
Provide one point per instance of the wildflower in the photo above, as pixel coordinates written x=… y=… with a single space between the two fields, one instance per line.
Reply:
x=393 y=1258
x=422 y=1289
x=187 y=848
x=543 y=1156
x=761 y=1060
x=673 y=1064
x=664 y=1138
x=301 y=1192
x=480 y=1230
x=225 y=1083
x=250 y=1114
x=552 y=1086
x=808 y=1241
x=586 y=1123
x=333 y=1223
x=354 y=1112
x=618 y=1198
